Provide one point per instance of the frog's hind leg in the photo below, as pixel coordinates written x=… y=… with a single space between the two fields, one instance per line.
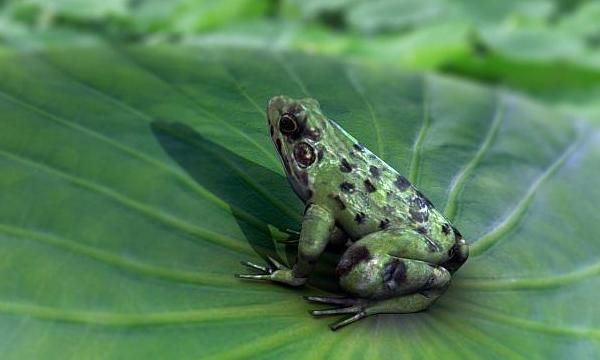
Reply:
x=433 y=282
x=387 y=272
x=361 y=308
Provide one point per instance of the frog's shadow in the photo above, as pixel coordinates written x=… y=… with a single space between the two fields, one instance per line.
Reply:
x=205 y=161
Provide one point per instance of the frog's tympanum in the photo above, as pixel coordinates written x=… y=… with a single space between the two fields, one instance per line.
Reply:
x=402 y=250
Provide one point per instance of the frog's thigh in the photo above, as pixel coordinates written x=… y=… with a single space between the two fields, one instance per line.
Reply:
x=372 y=268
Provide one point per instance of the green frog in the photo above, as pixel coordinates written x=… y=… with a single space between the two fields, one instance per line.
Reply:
x=401 y=251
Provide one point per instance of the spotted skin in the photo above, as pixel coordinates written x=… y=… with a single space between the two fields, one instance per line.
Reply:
x=402 y=250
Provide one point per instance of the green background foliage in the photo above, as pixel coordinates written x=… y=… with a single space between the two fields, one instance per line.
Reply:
x=549 y=49
x=137 y=172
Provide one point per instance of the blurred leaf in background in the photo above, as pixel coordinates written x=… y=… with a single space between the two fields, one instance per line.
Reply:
x=547 y=48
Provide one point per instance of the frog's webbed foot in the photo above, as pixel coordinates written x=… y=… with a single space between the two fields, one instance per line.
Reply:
x=274 y=271
x=346 y=305
x=272 y=266
x=361 y=308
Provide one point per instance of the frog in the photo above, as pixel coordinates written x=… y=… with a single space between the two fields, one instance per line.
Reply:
x=399 y=253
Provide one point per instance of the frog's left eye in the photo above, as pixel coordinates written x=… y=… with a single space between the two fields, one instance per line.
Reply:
x=304 y=154
x=288 y=124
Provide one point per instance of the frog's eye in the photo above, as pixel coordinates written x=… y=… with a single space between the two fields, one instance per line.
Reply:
x=288 y=124
x=304 y=154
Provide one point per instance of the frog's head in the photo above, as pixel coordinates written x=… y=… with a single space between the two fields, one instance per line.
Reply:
x=296 y=128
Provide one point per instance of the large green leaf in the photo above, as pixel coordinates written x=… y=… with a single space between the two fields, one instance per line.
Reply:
x=135 y=180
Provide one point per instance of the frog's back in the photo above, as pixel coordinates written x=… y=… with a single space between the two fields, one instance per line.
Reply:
x=368 y=195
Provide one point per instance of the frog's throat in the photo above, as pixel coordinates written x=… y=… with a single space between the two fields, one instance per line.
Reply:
x=298 y=180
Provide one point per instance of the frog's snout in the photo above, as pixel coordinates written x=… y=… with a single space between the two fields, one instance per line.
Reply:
x=274 y=107
x=274 y=101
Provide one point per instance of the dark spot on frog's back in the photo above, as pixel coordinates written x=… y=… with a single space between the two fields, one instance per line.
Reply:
x=384 y=224
x=394 y=271
x=425 y=199
x=360 y=218
x=347 y=187
x=354 y=255
x=419 y=210
x=374 y=170
x=421 y=230
x=359 y=147
x=345 y=166
x=369 y=186
x=401 y=183
x=446 y=229
x=418 y=216
x=418 y=202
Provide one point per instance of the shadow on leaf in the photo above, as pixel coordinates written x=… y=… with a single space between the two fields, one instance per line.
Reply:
x=241 y=184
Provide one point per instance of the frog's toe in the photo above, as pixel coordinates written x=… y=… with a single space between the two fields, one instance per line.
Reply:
x=267 y=271
x=358 y=312
x=332 y=300
x=336 y=311
x=354 y=306
x=349 y=320
x=276 y=265
x=256 y=267
x=254 y=277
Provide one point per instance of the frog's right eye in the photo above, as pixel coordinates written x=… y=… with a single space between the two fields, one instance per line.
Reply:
x=288 y=124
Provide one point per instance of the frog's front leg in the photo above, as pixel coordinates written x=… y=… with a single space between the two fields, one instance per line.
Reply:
x=317 y=226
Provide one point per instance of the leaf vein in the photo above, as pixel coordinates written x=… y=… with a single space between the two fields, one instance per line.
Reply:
x=117 y=261
x=197 y=232
x=543 y=282
x=292 y=74
x=415 y=162
x=532 y=325
x=512 y=219
x=458 y=183
x=269 y=154
x=280 y=309
x=357 y=87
